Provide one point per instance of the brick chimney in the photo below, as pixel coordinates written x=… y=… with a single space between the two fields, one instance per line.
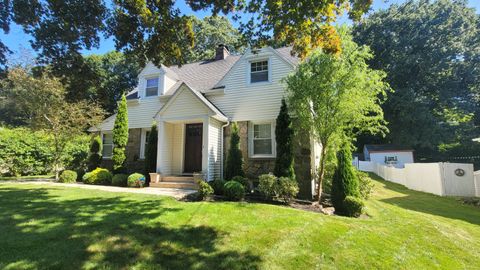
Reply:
x=221 y=52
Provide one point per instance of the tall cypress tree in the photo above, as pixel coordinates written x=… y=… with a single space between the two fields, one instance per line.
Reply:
x=284 y=138
x=234 y=164
x=95 y=158
x=120 y=136
x=151 y=151
x=345 y=181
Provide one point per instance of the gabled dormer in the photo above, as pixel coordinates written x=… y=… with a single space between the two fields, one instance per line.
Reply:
x=154 y=81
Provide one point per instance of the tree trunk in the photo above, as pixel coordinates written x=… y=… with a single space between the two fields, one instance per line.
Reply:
x=321 y=174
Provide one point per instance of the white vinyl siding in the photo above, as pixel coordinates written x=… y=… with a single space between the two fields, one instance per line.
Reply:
x=166 y=152
x=244 y=101
x=178 y=142
x=186 y=105
x=107 y=145
x=151 y=87
x=214 y=148
x=261 y=139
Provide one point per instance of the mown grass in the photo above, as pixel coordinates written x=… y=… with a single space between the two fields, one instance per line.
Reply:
x=70 y=228
x=26 y=177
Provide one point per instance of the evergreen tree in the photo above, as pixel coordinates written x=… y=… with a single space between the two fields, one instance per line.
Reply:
x=120 y=135
x=95 y=158
x=345 y=180
x=284 y=138
x=151 y=151
x=234 y=165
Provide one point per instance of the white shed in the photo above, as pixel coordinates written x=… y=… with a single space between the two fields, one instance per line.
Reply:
x=387 y=154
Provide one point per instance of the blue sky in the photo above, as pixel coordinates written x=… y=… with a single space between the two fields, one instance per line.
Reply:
x=17 y=40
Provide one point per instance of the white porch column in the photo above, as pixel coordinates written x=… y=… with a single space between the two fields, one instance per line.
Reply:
x=160 y=145
x=205 y=157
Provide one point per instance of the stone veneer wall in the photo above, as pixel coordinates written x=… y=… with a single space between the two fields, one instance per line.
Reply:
x=256 y=166
x=132 y=151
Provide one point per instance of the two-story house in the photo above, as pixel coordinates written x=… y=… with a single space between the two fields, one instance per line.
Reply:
x=194 y=106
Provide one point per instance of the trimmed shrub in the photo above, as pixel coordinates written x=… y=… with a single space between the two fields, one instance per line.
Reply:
x=136 y=180
x=68 y=176
x=345 y=181
x=204 y=190
x=95 y=158
x=99 y=176
x=266 y=185
x=353 y=206
x=217 y=186
x=120 y=180
x=286 y=189
x=234 y=191
x=365 y=185
x=244 y=181
x=284 y=138
x=120 y=136
x=234 y=163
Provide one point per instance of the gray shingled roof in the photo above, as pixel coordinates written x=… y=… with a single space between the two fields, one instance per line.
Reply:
x=204 y=75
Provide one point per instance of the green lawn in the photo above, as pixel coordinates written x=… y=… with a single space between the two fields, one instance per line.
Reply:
x=69 y=228
x=26 y=177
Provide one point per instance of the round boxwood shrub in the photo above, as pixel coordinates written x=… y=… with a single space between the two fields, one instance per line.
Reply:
x=353 y=206
x=286 y=189
x=120 y=180
x=234 y=191
x=244 y=181
x=136 y=180
x=204 y=190
x=266 y=185
x=68 y=176
x=217 y=186
x=99 y=176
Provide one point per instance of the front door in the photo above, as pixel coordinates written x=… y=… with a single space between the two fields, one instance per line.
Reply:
x=193 y=148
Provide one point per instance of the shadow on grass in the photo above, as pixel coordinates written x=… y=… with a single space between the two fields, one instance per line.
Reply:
x=447 y=207
x=39 y=230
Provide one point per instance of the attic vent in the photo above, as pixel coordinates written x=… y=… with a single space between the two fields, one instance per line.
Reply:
x=221 y=52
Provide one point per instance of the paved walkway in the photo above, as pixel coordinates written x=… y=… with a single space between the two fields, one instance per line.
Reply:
x=172 y=192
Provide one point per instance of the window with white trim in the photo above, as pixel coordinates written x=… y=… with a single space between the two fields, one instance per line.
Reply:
x=262 y=139
x=259 y=71
x=152 y=87
x=144 y=142
x=107 y=145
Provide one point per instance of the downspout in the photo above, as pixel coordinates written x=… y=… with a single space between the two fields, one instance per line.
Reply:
x=223 y=155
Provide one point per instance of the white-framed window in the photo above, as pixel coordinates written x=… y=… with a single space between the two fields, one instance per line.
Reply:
x=259 y=71
x=151 y=88
x=262 y=139
x=144 y=142
x=107 y=145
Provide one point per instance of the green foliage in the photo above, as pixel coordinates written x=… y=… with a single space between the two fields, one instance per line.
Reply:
x=353 y=206
x=204 y=190
x=99 y=176
x=286 y=189
x=151 y=151
x=234 y=191
x=217 y=186
x=365 y=185
x=120 y=180
x=234 y=163
x=337 y=97
x=136 y=180
x=266 y=185
x=284 y=140
x=120 y=136
x=68 y=176
x=345 y=181
x=95 y=158
x=75 y=156
x=434 y=82
x=244 y=181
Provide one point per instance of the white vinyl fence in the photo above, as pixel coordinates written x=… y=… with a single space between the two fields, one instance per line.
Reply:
x=444 y=179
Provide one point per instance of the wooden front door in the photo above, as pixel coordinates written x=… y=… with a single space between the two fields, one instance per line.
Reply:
x=193 y=148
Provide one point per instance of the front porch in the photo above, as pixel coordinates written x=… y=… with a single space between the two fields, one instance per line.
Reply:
x=190 y=141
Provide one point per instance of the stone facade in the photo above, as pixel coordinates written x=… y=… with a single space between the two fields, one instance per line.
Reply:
x=132 y=151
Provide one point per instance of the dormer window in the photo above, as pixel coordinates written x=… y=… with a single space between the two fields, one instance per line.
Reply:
x=152 y=87
x=259 y=71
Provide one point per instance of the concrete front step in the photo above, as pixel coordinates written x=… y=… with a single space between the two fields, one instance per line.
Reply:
x=173 y=184
x=185 y=179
